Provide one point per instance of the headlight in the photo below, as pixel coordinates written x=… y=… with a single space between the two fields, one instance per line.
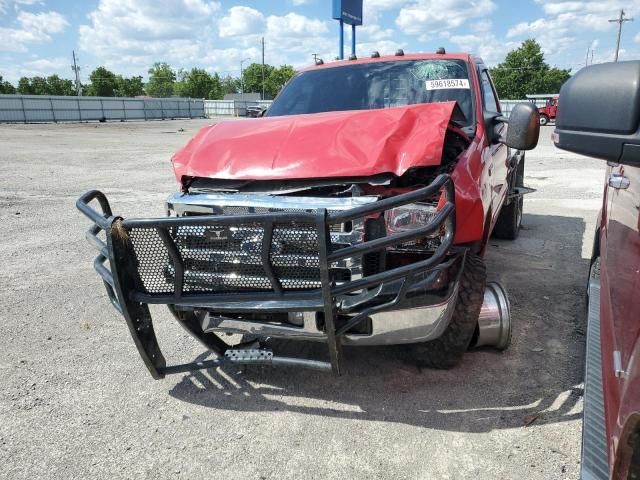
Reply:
x=410 y=217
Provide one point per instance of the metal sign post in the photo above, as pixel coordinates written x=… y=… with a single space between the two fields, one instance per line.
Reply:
x=341 y=41
x=349 y=12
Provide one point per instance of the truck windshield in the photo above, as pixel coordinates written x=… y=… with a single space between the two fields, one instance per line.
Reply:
x=377 y=85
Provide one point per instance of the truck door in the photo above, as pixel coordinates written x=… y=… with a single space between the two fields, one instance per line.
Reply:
x=622 y=262
x=496 y=153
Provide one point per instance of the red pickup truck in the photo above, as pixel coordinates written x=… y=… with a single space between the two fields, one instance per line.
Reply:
x=356 y=211
x=600 y=117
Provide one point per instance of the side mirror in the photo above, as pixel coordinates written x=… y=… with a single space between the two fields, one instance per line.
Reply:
x=524 y=127
x=599 y=113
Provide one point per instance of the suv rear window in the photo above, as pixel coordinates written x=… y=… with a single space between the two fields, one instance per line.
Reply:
x=377 y=85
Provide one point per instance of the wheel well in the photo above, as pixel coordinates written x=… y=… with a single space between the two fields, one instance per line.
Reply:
x=627 y=460
x=634 y=463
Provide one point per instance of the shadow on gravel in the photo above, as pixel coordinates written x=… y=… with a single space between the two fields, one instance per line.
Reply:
x=536 y=381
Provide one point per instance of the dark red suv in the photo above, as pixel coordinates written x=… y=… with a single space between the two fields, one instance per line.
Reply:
x=599 y=116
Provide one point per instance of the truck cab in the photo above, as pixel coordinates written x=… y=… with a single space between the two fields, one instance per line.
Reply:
x=549 y=111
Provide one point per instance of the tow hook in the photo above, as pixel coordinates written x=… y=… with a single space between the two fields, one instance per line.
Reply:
x=494 y=322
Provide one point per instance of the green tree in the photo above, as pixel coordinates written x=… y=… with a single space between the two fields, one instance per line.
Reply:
x=129 y=87
x=6 y=87
x=59 y=86
x=103 y=83
x=52 y=85
x=196 y=83
x=24 y=86
x=39 y=86
x=229 y=84
x=216 y=92
x=161 y=80
x=277 y=79
x=252 y=77
x=524 y=71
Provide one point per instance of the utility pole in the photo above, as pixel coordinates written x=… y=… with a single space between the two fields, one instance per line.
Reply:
x=242 y=77
x=620 y=20
x=591 y=56
x=76 y=70
x=262 y=68
x=586 y=60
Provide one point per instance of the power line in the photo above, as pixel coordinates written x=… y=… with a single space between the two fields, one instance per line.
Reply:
x=620 y=20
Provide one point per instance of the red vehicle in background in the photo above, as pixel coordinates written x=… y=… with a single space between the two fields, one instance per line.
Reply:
x=600 y=117
x=549 y=111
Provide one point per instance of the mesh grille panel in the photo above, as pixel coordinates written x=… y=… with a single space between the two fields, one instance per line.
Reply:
x=153 y=259
x=294 y=255
x=221 y=258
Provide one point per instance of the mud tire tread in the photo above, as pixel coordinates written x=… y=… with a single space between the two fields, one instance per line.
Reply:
x=446 y=351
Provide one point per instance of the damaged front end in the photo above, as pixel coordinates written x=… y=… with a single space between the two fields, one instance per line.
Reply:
x=373 y=266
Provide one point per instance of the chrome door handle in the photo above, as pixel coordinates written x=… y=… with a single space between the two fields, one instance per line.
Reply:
x=619 y=181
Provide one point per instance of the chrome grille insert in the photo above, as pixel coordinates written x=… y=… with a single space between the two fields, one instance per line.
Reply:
x=229 y=258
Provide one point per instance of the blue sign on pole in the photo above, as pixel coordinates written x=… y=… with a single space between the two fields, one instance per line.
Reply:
x=348 y=11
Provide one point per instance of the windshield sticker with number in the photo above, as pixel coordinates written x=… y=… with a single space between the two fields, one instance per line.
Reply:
x=447 y=84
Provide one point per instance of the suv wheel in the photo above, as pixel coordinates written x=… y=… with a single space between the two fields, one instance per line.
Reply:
x=447 y=350
x=544 y=119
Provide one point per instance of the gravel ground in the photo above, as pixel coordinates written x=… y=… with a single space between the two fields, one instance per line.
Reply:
x=77 y=402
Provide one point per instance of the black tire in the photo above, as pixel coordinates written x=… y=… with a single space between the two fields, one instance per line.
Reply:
x=634 y=463
x=446 y=351
x=544 y=119
x=510 y=218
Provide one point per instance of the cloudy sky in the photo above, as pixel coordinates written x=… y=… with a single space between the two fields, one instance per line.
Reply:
x=127 y=36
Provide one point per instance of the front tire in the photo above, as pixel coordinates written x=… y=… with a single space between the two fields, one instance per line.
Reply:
x=446 y=351
x=544 y=119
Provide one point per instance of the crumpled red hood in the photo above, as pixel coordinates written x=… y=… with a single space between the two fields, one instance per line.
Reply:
x=335 y=144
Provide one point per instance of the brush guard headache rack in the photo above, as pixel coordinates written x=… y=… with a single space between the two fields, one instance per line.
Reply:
x=129 y=246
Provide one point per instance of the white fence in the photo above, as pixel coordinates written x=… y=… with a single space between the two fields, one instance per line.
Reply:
x=236 y=108
x=508 y=105
x=45 y=108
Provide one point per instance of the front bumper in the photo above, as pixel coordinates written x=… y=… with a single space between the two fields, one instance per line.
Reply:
x=422 y=319
x=147 y=264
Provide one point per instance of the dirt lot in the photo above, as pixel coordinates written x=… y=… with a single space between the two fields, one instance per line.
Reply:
x=77 y=402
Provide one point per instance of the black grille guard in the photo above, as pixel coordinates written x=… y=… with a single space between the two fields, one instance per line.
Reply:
x=129 y=297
